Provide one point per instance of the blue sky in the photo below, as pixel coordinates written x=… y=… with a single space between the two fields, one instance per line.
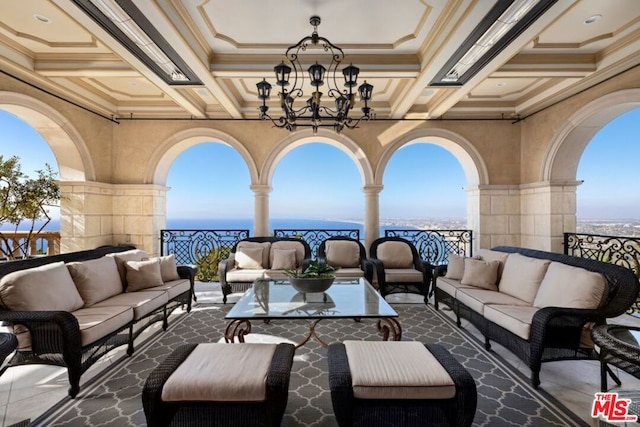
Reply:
x=319 y=181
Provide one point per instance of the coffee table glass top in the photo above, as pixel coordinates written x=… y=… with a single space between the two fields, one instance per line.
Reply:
x=346 y=298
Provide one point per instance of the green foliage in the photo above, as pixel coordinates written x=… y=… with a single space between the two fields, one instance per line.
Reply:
x=314 y=270
x=24 y=200
x=207 y=263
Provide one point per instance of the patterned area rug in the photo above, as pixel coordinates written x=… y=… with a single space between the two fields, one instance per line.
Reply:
x=504 y=396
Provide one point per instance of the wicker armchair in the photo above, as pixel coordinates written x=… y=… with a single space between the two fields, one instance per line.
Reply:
x=348 y=254
x=399 y=267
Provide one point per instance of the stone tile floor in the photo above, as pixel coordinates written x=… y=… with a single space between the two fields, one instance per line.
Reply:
x=28 y=391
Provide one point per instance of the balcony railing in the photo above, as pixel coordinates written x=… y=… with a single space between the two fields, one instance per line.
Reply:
x=314 y=237
x=624 y=251
x=43 y=243
x=204 y=248
x=434 y=246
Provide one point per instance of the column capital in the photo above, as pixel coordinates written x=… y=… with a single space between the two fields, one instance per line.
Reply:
x=372 y=189
x=261 y=188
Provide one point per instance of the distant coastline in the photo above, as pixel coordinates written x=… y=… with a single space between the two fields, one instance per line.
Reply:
x=604 y=226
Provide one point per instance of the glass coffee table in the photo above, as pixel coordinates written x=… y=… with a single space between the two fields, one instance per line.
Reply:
x=270 y=300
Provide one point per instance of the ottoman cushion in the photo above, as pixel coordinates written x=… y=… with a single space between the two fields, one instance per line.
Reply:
x=221 y=372
x=397 y=370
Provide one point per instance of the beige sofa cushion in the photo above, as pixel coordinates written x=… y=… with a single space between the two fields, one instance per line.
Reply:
x=221 y=372
x=96 y=279
x=142 y=302
x=97 y=322
x=342 y=253
x=265 y=246
x=396 y=370
x=450 y=286
x=122 y=257
x=572 y=287
x=48 y=287
x=143 y=274
x=476 y=298
x=288 y=244
x=346 y=272
x=168 y=267
x=249 y=258
x=173 y=288
x=283 y=259
x=481 y=274
x=522 y=275
x=516 y=319
x=489 y=255
x=395 y=255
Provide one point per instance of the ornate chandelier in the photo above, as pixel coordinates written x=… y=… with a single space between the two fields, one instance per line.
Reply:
x=312 y=113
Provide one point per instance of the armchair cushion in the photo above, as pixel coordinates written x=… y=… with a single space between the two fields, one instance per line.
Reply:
x=248 y=257
x=48 y=287
x=403 y=275
x=265 y=246
x=571 y=287
x=395 y=255
x=522 y=275
x=283 y=259
x=287 y=244
x=481 y=274
x=342 y=253
x=143 y=274
x=96 y=279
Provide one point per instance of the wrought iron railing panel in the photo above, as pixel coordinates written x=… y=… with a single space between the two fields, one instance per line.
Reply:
x=619 y=250
x=314 y=237
x=204 y=248
x=434 y=246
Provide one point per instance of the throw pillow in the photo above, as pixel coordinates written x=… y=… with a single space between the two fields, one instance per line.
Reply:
x=489 y=255
x=481 y=274
x=122 y=257
x=284 y=258
x=48 y=287
x=249 y=258
x=265 y=246
x=289 y=244
x=143 y=275
x=571 y=287
x=455 y=267
x=168 y=267
x=395 y=255
x=522 y=275
x=96 y=279
x=342 y=253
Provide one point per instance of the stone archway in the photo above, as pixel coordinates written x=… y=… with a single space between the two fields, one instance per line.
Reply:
x=297 y=139
x=473 y=166
x=69 y=149
x=566 y=148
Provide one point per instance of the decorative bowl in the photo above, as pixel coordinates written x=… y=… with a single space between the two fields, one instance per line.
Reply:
x=305 y=285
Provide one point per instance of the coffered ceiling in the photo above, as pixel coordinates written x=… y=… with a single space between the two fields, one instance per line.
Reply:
x=400 y=47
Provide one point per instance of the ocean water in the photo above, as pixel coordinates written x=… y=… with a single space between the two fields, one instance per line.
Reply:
x=237 y=224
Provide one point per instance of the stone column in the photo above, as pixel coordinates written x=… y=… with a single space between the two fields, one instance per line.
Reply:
x=261 y=210
x=548 y=211
x=85 y=215
x=493 y=213
x=371 y=214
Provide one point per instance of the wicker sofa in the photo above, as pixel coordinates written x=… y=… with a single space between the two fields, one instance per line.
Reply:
x=261 y=258
x=71 y=309
x=541 y=305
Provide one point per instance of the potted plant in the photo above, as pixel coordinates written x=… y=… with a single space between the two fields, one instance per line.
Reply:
x=316 y=277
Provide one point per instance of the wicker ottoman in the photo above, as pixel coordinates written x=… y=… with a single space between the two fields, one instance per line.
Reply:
x=220 y=384
x=389 y=383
